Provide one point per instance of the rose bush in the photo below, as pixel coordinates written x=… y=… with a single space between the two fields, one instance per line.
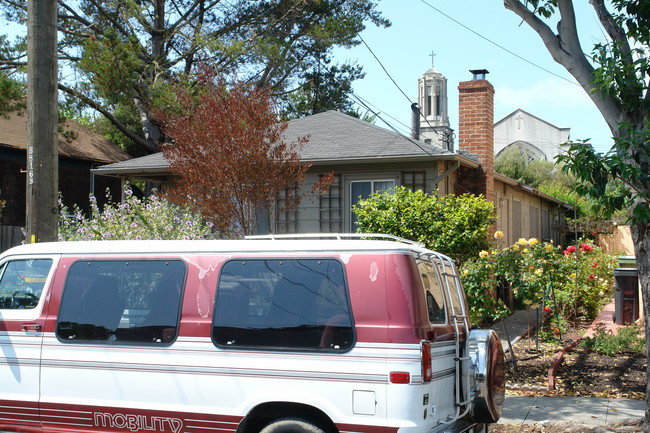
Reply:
x=568 y=283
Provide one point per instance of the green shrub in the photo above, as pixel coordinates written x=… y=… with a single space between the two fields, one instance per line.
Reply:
x=455 y=225
x=629 y=339
x=134 y=218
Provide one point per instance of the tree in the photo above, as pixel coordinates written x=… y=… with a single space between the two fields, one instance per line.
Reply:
x=117 y=54
x=616 y=78
x=512 y=162
x=456 y=225
x=229 y=153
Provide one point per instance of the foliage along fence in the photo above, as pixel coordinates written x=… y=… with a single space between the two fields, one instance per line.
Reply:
x=133 y=218
x=569 y=283
x=10 y=236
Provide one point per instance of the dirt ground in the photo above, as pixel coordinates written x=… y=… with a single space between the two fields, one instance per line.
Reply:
x=567 y=427
x=581 y=373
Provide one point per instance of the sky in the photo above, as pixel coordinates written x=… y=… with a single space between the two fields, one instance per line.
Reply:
x=459 y=33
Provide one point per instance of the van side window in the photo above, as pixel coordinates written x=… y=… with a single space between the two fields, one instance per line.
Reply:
x=21 y=283
x=449 y=281
x=122 y=301
x=285 y=304
x=433 y=292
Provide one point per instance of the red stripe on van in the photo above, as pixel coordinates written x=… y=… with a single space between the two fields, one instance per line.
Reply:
x=18 y=413
x=79 y=418
x=355 y=428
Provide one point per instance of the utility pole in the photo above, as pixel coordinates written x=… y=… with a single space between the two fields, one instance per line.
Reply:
x=42 y=122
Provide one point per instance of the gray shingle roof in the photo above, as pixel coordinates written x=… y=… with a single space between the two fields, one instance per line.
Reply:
x=337 y=136
x=333 y=138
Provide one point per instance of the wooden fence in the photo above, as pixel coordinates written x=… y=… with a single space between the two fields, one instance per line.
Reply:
x=10 y=236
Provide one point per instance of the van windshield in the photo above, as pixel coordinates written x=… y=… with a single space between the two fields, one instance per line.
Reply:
x=286 y=304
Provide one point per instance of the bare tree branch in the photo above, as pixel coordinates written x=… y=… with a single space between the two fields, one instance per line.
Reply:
x=569 y=54
x=119 y=125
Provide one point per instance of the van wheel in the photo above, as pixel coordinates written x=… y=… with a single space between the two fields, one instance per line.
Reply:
x=292 y=425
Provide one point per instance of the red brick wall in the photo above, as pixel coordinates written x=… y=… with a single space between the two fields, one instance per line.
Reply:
x=476 y=134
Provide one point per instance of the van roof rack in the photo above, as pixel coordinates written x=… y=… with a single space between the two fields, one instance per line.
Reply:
x=338 y=236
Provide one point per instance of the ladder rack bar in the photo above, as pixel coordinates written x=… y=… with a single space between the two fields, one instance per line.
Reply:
x=337 y=236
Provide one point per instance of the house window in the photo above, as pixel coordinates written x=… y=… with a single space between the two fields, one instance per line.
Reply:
x=516 y=219
x=534 y=222
x=361 y=189
x=546 y=225
x=413 y=180
x=286 y=213
x=331 y=207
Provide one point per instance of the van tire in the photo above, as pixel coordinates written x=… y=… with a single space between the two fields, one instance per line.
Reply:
x=292 y=425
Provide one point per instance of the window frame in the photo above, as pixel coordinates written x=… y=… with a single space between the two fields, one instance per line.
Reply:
x=30 y=313
x=263 y=348
x=443 y=292
x=351 y=221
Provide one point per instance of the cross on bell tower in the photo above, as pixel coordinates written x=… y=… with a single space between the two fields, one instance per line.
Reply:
x=434 y=117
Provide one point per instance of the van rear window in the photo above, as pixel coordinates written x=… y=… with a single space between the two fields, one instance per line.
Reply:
x=286 y=304
x=121 y=301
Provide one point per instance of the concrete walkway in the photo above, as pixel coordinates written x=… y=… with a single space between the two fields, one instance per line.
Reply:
x=597 y=411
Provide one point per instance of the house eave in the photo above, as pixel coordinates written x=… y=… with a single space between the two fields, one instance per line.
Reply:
x=530 y=190
x=393 y=159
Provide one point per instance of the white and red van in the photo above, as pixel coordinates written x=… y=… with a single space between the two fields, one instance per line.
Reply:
x=273 y=335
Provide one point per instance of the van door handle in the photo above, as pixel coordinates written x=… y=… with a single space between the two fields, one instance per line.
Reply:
x=34 y=327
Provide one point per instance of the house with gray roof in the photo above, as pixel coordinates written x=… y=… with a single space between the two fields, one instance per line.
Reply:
x=365 y=158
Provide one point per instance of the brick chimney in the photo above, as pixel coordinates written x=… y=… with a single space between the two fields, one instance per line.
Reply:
x=476 y=132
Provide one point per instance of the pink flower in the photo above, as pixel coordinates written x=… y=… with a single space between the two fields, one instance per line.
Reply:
x=571 y=248
x=586 y=247
x=594 y=264
x=591 y=277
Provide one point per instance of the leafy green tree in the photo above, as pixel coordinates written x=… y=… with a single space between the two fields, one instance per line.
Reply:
x=456 y=225
x=117 y=54
x=512 y=162
x=616 y=78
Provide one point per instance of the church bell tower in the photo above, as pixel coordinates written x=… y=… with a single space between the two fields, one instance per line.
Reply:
x=434 y=115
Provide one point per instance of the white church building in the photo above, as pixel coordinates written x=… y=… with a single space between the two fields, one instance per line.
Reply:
x=537 y=138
